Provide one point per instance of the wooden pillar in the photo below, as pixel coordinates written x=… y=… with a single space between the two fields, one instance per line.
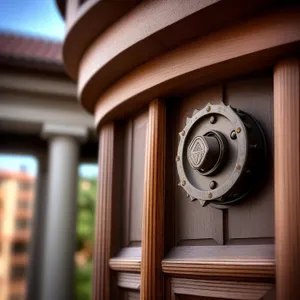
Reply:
x=152 y=232
x=103 y=235
x=287 y=172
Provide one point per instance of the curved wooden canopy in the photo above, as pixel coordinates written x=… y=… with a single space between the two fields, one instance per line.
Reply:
x=163 y=48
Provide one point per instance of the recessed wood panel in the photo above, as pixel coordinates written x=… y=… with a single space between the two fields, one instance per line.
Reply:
x=134 y=157
x=254 y=217
x=196 y=225
x=192 y=289
x=251 y=221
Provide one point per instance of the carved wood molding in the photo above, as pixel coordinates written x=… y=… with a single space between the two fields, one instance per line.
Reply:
x=153 y=210
x=125 y=265
x=255 y=268
x=102 y=248
x=287 y=173
x=243 y=48
x=223 y=289
x=248 y=261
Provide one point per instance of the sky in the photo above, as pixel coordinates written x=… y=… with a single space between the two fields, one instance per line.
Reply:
x=37 y=18
x=15 y=163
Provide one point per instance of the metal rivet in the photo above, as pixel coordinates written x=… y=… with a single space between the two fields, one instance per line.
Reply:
x=238 y=166
x=182 y=132
x=183 y=182
x=212 y=120
x=210 y=195
x=212 y=184
x=233 y=135
x=177 y=158
x=238 y=130
x=208 y=108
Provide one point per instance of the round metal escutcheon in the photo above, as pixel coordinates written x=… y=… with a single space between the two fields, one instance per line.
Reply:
x=220 y=156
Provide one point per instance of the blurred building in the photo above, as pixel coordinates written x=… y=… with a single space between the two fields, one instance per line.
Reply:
x=41 y=117
x=16 y=199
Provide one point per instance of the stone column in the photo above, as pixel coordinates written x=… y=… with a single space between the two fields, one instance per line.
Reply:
x=59 y=241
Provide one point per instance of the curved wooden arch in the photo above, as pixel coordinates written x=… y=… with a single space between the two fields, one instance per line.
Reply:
x=149 y=30
x=221 y=55
x=87 y=22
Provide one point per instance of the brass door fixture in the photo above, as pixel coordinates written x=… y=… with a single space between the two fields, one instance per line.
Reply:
x=221 y=155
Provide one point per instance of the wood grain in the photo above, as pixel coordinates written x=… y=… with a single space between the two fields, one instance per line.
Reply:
x=249 y=261
x=153 y=210
x=125 y=265
x=219 y=289
x=287 y=187
x=150 y=29
x=224 y=54
x=102 y=248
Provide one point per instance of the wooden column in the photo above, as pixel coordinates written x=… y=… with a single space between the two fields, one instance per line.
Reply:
x=287 y=185
x=153 y=232
x=103 y=235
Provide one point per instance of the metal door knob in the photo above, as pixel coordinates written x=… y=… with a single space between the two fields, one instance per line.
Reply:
x=206 y=152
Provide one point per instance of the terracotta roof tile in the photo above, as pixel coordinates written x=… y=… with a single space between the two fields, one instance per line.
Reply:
x=21 y=48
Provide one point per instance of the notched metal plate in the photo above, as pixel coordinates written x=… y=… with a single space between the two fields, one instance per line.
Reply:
x=220 y=155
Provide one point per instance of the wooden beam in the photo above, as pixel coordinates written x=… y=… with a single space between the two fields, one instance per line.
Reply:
x=103 y=235
x=287 y=172
x=153 y=211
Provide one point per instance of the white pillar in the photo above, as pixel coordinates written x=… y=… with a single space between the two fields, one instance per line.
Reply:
x=58 y=259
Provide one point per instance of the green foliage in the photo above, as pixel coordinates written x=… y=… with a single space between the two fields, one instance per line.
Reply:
x=85 y=236
x=83 y=287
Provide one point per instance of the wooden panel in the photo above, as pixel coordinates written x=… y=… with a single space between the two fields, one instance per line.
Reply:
x=132 y=296
x=127 y=260
x=251 y=261
x=254 y=216
x=134 y=162
x=287 y=188
x=137 y=179
x=241 y=223
x=195 y=225
x=215 y=290
x=102 y=248
x=129 y=281
x=153 y=241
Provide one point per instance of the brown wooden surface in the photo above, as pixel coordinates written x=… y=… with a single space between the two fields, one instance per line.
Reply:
x=94 y=15
x=246 y=47
x=287 y=187
x=128 y=260
x=102 y=248
x=251 y=221
x=216 y=290
x=134 y=163
x=247 y=261
x=153 y=212
x=129 y=280
x=175 y=23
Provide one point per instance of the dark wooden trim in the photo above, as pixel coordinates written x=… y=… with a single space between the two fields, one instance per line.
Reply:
x=103 y=235
x=153 y=207
x=287 y=174
x=125 y=265
x=220 y=289
x=250 y=261
x=127 y=260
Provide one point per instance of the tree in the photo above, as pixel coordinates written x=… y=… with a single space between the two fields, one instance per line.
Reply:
x=85 y=236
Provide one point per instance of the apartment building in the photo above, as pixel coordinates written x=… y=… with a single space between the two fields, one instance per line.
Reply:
x=16 y=205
